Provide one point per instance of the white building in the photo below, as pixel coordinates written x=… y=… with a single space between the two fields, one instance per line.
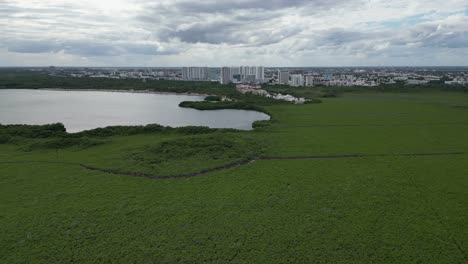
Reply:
x=251 y=78
x=417 y=82
x=283 y=77
x=309 y=80
x=251 y=74
x=297 y=80
x=195 y=73
x=247 y=71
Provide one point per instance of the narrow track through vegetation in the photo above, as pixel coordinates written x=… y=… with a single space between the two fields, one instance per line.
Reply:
x=233 y=164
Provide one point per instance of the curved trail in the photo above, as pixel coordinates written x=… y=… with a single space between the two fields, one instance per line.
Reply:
x=233 y=164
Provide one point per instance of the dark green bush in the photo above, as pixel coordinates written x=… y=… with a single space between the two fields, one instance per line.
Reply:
x=213 y=98
x=122 y=130
x=200 y=147
x=61 y=143
x=313 y=101
x=4 y=139
x=32 y=131
x=193 y=130
x=261 y=123
x=223 y=105
x=148 y=129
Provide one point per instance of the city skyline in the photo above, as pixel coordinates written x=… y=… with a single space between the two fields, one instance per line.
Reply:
x=217 y=33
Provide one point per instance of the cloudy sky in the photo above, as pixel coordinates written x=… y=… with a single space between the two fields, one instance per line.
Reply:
x=216 y=32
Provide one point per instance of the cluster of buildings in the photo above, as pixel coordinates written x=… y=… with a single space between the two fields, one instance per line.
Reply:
x=251 y=88
x=459 y=81
x=242 y=74
x=257 y=90
x=195 y=73
x=365 y=76
x=296 y=77
x=284 y=77
x=118 y=73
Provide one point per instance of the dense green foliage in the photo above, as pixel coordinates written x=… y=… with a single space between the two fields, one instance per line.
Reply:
x=335 y=91
x=64 y=142
x=58 y=131
x=305 y=92
x=213 y=98
x=147 y=129
x=209 y=150
x=204 y=105
x=410 y=209
x=29 y=131
x=18 y=79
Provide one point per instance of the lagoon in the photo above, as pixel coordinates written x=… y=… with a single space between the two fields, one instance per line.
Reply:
x=84 y=110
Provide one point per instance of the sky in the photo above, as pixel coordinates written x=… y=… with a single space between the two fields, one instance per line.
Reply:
x=214 y=33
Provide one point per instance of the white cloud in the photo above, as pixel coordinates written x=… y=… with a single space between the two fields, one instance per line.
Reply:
x=272 y=33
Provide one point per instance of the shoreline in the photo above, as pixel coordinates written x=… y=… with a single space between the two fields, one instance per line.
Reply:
x=108 y=90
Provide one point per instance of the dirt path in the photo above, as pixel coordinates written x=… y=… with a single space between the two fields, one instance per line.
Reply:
x=231 y=165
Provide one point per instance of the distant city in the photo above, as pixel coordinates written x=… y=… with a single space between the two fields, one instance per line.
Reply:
x=295 y=77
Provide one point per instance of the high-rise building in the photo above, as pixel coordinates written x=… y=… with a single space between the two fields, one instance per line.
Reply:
x=251 y=74
x=283 y=77
x=251 y=78
x=297 y=80
x=195 y=73
x=309 y=80
x=260 y=74
x=226 y=76
x=235 y=74
x=244 y=71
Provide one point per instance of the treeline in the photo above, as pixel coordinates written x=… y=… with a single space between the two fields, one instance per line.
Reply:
x=54 y=136
x=310 y=93
x=334 y=91
x=239 y=105
x=25 y=79
x=58 y=130
x=397 y=88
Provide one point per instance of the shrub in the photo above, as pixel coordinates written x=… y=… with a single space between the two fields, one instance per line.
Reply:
x=313 y=101
x=213 y=98
x=199 y=148
x=193 y=130
x=261 y=123
x=61 y=143
x=122 y=130
x=4 y=139
x=329 y=95
x=223 y=105
x=32 y=131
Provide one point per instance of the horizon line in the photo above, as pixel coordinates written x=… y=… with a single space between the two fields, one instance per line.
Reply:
x=352 y=66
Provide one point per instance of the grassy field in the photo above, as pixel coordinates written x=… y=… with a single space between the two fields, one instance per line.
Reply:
x=392 y=209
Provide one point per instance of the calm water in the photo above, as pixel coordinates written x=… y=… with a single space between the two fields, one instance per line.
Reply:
x=83 y=110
